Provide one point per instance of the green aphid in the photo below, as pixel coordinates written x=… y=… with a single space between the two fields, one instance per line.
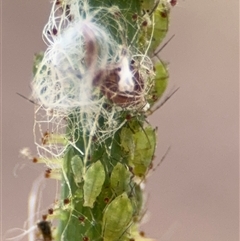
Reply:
x=36 y=62
x=77 y=169
x=93 y=182
x=117 y=218
x=127 y=142
x=161 y=22
x=154 y=26
x=160 y=82
x=120 y=179
x=140 y=147
x=147 y=5
x=145 y=143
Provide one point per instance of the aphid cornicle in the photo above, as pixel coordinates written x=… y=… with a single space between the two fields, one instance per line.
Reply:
x=45 y=228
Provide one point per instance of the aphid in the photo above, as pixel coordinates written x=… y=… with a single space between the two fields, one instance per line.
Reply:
x=77 y=168
x=37 y=61
x=161 y=22
x=160 y=82
x=127 y=143
x=154 y=24
x=45 y=229
x=120 y=179
x=140 y=147
x=117 y=217
x=93 y=181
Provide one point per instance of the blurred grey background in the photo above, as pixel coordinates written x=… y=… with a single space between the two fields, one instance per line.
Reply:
x=193 y=194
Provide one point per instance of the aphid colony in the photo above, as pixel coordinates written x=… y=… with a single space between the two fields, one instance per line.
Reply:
x=93 y=86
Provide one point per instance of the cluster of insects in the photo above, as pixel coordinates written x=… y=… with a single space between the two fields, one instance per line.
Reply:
x=97 y=88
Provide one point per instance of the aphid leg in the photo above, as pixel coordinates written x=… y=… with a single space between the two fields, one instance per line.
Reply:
x=164 y=45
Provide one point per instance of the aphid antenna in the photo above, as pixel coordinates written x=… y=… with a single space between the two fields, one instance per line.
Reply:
x=125 y=231
x=144 y=132
x=150 y=112
x=162 y=159
x=141 y=126
x=143 y=213
x=164 y=45
x=154 y=8
x=24 y=97
x=154 y=169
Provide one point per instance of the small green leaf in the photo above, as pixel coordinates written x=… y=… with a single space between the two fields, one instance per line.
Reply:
x=117 y=218
x=93 y=181
x=120 y=179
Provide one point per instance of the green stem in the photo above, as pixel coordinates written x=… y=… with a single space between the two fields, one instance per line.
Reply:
x=101 y=196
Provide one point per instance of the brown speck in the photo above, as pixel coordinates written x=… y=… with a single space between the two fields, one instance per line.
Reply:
x=35 y=160
x=85 y=238
x=66 y=201
x=164 y=14
x=45 y=137
x=81 y=219
x=54 y=31
x=50 y=211
x=134 y=17
x=128 y=117
x=173 y=2
x=144 y=23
